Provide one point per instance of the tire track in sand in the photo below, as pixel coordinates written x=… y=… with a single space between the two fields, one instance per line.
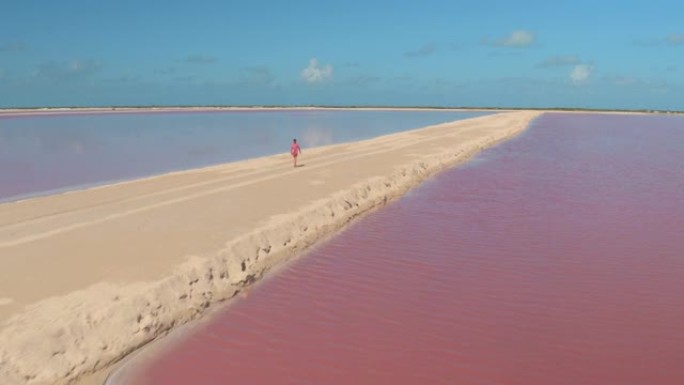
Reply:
x=391 y=145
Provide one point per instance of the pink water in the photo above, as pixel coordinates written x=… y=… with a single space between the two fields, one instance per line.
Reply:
x=553 y=259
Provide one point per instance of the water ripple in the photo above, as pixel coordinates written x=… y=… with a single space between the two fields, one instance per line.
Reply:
x=557 y=261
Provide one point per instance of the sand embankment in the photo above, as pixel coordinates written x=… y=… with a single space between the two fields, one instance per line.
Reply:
x=88 y=276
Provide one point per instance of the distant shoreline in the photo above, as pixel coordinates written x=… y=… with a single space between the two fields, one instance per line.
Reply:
x=47 y=111
x=147 y=110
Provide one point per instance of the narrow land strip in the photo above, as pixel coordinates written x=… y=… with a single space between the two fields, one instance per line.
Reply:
x=88 y=276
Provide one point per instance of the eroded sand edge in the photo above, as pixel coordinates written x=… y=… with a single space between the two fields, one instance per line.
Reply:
x=63 y=337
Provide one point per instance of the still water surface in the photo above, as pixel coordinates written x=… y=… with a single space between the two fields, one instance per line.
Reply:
x=52 y=153
x=556 y=258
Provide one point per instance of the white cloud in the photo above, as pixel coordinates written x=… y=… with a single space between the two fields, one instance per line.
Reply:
x=517 y=39
x=581 y=73
x=315 y=73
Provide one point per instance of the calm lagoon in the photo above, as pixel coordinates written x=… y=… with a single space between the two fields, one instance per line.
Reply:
x=553 y=259
x=46 y=154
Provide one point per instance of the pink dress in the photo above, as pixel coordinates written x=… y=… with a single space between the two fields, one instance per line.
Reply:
x=294 y=149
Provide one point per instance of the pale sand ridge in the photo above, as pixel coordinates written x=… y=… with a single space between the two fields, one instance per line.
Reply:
x=88 y=276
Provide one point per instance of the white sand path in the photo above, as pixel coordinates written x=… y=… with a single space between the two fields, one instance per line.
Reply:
x=88 y=276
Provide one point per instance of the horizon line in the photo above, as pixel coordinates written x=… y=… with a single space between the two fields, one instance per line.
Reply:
x=284 y=106
x=114 y=107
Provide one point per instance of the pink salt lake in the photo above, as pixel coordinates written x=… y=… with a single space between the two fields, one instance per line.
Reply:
x=556 y=258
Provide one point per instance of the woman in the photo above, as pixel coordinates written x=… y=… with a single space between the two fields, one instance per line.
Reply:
x=295 y=151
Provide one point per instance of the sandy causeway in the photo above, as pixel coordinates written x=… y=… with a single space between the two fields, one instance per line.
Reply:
x=87 y=277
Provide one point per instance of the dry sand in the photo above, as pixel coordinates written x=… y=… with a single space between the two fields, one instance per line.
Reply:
x=87 y=277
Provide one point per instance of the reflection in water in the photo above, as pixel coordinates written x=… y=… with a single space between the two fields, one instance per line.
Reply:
x=39 y=154
x=554 y=260
x=317 y=136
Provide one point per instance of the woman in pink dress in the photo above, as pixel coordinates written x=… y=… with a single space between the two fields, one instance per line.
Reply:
x=295 y=150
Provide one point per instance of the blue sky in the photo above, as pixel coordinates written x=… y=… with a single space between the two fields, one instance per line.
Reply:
x=627 y=54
